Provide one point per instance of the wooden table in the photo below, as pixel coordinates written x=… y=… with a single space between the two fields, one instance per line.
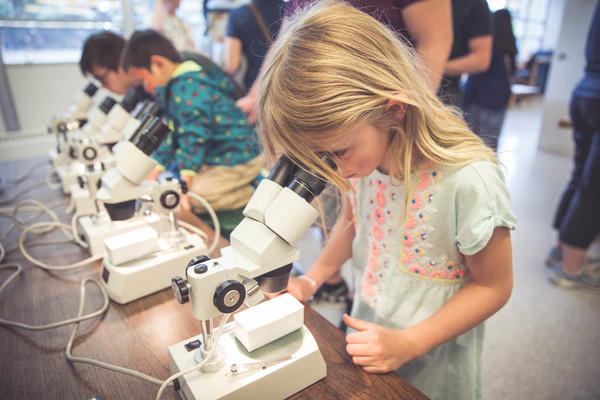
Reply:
x=135 y=335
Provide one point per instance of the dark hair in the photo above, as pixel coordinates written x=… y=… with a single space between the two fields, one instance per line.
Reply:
x=101 y=50
x=504 y=36
x=144 y=44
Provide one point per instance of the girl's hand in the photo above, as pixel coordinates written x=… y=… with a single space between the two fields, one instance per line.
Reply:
x=301 y=289
x=376 y=348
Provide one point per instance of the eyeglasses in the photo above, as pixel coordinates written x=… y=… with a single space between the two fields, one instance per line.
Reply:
x=102 y=77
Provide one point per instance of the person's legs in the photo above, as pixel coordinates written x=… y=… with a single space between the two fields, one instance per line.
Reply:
x=582 y=145
x=581 y=221
x=490 y=126
x=578 y=215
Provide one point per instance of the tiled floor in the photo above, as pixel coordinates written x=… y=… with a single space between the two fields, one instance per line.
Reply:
x=545 y=343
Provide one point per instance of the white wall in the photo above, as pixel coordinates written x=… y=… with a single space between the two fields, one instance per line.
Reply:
x=566 y=69
x=39 y=92
x=43 y=90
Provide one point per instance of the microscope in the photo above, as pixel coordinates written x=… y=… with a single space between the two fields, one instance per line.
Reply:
x=269 y=353
x=96 y=139
x=83 y=192
x=75 y=153
x=142 y=261
x=96 y=226
x=75 y=118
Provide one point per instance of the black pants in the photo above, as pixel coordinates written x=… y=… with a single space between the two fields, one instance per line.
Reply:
x=578 y=215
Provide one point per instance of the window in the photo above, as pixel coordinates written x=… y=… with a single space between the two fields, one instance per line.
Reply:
x=53 y=31
x=529 y=23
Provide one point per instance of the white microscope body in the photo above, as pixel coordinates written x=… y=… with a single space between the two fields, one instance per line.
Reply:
x=79 y=148
x=75 y=118
x=259 y=260
x=143 y=260
x=83 y=193
x=108 y=125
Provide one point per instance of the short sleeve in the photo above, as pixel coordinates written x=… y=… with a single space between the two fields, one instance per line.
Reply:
x=233 y=24
x=479 y=20
x=482 y=202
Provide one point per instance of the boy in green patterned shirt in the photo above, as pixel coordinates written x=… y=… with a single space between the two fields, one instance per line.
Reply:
x=212 y=146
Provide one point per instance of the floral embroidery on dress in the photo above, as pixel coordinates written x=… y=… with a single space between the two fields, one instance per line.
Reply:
x=380 y=198
x=414 y=253
x=389 y=240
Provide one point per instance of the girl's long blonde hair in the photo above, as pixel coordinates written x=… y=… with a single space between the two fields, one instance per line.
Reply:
x=333 y=70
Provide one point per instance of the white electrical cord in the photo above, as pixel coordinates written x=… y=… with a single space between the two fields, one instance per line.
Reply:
x=76 y=237
x=77 y=319
x=216 y=340
x=97 y=363
x=10 y=213
x=213 y=216
x=72 y=234
x=42 y=225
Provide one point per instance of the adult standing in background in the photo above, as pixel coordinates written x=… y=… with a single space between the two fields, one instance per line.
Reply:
x=577 y=218
x=472 y=47
x=486 y=95
x=250 y=30
x=427 y=24
x=166 y=21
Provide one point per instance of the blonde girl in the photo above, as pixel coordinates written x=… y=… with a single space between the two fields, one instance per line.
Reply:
x=427 y=218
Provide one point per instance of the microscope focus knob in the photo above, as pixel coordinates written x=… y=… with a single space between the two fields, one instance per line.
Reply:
x=181 y=289
x=198 y=260
x=89 y=153
x=184 y=186
x=229 y=296
x=169 y=199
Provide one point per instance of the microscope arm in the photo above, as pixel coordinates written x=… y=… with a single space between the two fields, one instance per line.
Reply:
x=262 y=245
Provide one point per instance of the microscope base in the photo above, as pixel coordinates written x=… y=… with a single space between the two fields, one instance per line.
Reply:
x=133 y=280
x=95 y=232
x=275 y=382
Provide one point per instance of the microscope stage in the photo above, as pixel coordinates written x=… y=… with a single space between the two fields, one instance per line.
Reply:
x=275 y=382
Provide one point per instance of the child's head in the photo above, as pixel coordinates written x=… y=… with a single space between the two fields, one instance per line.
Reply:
x=151 y=57
x=100 y=59
x=341 y=83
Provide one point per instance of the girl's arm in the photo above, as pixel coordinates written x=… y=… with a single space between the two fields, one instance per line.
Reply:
x=337 y=250
x=378 y=349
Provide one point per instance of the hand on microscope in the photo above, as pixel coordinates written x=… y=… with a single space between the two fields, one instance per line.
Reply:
x=302 y=288
x=337 y=250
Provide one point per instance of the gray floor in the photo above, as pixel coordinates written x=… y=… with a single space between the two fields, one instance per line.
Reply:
x=545 y=343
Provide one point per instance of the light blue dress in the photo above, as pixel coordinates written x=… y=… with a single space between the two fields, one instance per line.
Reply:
x=406 y=270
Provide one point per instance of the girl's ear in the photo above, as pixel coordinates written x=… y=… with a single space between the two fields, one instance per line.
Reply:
x=397 y=107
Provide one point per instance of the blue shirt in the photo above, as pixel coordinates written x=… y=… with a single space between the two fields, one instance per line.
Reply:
x=243 y=26
x=589 y=86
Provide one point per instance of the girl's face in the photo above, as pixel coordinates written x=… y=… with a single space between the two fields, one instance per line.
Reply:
x=361 y=152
